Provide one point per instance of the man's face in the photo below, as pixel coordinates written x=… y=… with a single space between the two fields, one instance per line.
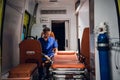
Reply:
x=46 y=34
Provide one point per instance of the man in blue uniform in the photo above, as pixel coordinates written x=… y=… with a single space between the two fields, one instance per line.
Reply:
x=49 y=47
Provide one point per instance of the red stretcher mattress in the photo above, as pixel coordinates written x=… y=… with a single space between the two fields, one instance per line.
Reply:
x=66 y=59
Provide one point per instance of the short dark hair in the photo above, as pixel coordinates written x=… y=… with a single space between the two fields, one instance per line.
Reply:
x=46 y=29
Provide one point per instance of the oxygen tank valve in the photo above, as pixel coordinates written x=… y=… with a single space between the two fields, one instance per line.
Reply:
x=102 y=27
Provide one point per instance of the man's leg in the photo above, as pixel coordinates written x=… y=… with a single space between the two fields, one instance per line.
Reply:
x=47 y=66
x=41 y=71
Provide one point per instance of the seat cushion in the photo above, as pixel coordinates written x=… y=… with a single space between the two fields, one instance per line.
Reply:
x=22 y=70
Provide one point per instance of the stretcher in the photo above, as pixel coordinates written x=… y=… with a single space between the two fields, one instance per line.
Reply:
x=66 y=66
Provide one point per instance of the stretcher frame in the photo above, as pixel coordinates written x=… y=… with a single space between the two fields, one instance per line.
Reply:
x=70 y=73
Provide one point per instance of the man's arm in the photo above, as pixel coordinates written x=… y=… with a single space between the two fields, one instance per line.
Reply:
x=48 y=58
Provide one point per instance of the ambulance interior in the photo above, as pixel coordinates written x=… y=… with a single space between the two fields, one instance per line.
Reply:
x=76 y=25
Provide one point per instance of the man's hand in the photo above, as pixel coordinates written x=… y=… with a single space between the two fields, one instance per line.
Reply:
x=55 y=50
x=48 y=58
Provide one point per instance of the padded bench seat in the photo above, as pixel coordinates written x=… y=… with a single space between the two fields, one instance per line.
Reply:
x=22 y=70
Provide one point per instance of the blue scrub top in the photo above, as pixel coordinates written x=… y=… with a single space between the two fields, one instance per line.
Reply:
x=47 y=46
